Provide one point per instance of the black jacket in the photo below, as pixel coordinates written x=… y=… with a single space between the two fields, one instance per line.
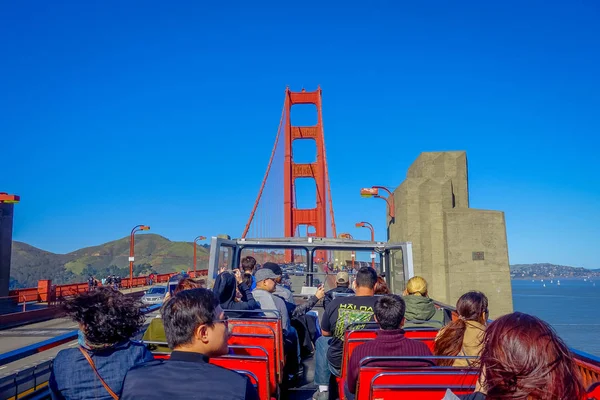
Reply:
x=224 y=289
x=186 y=376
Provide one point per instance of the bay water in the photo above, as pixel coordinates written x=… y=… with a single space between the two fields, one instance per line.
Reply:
x=571 y=307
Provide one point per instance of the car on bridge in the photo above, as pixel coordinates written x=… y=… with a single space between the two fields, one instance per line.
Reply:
x=155 y=295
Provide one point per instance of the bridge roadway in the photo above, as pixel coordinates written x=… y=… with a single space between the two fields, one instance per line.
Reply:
x=18 y=337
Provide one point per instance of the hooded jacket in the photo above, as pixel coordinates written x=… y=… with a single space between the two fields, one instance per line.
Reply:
x=224 y=290
x=420 y=308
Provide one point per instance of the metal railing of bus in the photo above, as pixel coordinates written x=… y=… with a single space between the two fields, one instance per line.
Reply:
x=32 y=382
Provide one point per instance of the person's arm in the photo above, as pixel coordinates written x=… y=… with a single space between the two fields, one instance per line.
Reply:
x=53 y=386
x=249 y=304
x=352 y=373
x=312 y=301
x=251 y=393
x=326 y=323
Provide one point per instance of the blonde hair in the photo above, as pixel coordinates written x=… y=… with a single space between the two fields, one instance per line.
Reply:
x=417 y=286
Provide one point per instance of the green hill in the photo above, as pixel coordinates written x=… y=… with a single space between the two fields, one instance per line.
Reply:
x=153 y=253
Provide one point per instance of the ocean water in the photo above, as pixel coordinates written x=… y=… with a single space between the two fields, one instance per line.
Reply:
x=572 y=308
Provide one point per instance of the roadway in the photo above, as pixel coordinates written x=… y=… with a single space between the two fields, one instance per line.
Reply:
x=18 y=337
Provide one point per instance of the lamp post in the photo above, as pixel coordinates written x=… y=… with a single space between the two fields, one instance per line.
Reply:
x=196 y=241
x=374 y=192
x=135 y=229
x=368 y=225
x=349 y=236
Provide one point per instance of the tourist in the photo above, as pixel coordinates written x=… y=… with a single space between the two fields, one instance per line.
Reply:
x=156 y=331
x=523 y=358
x=381 y=286
x=225 y=289
x=390 y=341
x=280 y=290
x=196 y=329
x=265 y=295
x=420 y=309
x=341 y=312
x=248 y=265
x=342 y=282
x=96 y=368
x=464 y=336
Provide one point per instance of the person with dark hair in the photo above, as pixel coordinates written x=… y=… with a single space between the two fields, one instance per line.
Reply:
x=524 y=358
x=156 y=331
x=381 y=286
x=225 y=289
x=196 y=329
x=339 y=314
x=420 y=308
x=464 y=336
x=96 y=368
x=342 y=282
x=248 y=264
x=390 y=341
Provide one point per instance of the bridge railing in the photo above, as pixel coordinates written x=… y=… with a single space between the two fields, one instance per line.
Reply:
x=48 y=293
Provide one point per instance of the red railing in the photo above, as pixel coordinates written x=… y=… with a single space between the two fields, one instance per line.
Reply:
x=46 y=292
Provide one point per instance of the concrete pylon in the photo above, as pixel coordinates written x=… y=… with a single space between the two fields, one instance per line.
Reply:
x=455 y=248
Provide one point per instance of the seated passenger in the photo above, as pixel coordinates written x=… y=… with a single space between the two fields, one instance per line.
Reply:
x=196 y=329
x=156 y=331
x=342 y=282
x=95 y=370
x=464 y=336
x=265 y=295
x=248 y=266
x=523 y=358
x=341 y=312
x=381 y=286
x=225 y=288
x=280 y=290
x=390 y=341
x=420 y=309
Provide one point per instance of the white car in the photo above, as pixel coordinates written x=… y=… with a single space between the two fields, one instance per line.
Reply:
x=155 y=295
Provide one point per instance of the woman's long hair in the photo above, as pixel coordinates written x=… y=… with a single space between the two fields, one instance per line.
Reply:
x=523 y=358
x=470 y=307
x=381 y=286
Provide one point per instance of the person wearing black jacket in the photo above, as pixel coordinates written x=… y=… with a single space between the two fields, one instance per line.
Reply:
x=342 y=280
x=225 y=291
x=196 y=328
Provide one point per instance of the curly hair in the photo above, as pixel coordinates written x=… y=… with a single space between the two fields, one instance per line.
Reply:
x=106 y=315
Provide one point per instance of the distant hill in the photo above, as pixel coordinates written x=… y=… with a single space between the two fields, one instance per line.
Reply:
x=153 y=253
x=546 y=270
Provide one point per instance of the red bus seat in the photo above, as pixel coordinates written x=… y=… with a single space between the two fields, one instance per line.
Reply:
x=274 y=323
x=393 y=382
x=256 y=366
x=360 y=336
x=266 y=341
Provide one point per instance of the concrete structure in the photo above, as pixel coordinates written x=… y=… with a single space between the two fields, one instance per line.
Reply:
x=7 y=203
x=455 y=248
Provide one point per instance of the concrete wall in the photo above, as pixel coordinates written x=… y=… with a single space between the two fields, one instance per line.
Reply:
x=432 y=212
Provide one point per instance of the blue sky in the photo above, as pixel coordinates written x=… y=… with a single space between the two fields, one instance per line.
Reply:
x=119 y=113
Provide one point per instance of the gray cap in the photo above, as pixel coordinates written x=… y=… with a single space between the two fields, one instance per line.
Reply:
x=263 y=274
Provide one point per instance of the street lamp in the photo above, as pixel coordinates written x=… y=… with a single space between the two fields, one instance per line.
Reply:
x=374 y=192
x=349 y=236
x=195 y=241
x=368 y=225
x=132 y=252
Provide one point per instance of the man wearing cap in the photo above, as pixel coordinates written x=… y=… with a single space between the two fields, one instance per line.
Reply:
x=280 y=290
x=343 y=286
x=264 y=294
